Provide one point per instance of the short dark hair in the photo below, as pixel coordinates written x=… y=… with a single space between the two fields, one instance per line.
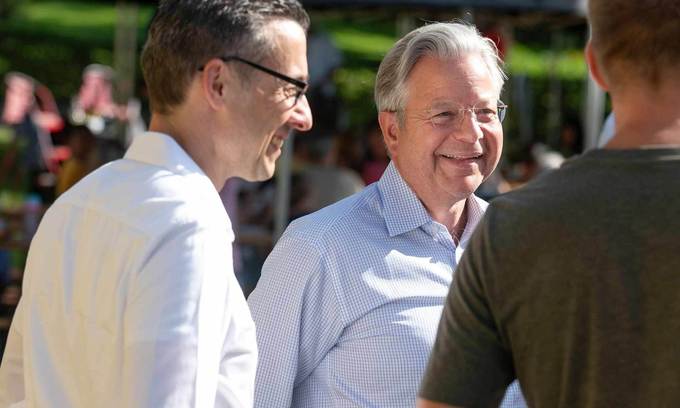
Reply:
x=184 y=34
x=637 y=38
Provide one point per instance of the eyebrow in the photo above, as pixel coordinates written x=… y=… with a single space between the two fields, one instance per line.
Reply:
x=447 y=103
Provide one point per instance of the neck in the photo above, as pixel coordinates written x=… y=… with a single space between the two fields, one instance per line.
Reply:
x=195 y=140
x=645 y=116
x=448 y=210
x=453 y=216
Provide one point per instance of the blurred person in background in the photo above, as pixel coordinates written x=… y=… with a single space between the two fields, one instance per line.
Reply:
x=376 y=160
x=29 y=116
x=349 y=299
x=351 y=150
x=113 y=125
x=81 y=144
x=324 y=60
x=129 y=297
x=571 y=137
x=570 y=284
x=323 y=181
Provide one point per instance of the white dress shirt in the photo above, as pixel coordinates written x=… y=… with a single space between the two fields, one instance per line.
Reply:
x=129 y=297
x=349 y=301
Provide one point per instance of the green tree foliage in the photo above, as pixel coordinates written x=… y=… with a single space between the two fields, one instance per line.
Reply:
x=54 y=40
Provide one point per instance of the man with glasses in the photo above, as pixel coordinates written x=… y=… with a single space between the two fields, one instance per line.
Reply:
x=572 y=283
x=129 y=294
x=349 y=300
x=292 y=92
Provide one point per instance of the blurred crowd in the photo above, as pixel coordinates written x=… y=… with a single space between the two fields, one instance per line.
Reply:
x=44 y=150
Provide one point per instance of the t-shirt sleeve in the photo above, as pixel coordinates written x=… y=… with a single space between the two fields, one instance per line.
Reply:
x=469 y=365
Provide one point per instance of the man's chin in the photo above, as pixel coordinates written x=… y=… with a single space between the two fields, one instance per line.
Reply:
x=461 y=188
x=262 y=173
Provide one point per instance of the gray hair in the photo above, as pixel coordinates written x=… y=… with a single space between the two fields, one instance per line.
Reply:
x=441 y=40
x=103 y=71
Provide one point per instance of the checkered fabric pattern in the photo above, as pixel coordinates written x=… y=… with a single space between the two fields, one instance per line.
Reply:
x=349 y=301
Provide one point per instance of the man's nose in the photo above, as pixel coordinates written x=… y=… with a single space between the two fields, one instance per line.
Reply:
x=469 y=130
x=301 y=119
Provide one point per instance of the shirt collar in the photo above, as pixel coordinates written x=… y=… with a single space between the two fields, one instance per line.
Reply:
x=404 y=212
x=161 y=150
x=402 y=209
x=475 y=211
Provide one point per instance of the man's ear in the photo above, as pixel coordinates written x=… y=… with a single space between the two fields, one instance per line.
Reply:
x=215 y=78
x=390 y=129
x=595 y=70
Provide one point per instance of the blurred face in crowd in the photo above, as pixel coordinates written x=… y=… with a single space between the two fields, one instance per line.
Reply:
x=450 y=138
x=266 y=107
x=94 y=89
x=18 y=99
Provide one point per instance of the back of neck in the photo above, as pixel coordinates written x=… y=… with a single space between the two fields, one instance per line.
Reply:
x=646 y=117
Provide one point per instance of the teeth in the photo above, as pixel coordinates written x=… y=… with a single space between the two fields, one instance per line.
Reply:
x=449 y=156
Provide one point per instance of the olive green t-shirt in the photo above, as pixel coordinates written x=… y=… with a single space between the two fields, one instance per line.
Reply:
x=572 y=285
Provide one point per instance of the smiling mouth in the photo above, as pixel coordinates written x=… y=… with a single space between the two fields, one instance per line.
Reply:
x=472 y=156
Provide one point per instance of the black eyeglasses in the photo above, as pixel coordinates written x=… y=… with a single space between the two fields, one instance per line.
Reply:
x=296 y=93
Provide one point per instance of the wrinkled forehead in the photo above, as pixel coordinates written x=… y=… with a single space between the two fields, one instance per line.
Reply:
x=482 y=101
x=464 y=81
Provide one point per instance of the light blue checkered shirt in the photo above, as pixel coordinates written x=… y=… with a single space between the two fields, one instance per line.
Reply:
x=350 y=298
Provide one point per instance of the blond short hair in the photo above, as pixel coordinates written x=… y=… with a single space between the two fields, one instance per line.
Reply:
x=635 y=38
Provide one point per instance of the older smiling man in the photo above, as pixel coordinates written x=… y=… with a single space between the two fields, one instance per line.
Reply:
x=349 y=300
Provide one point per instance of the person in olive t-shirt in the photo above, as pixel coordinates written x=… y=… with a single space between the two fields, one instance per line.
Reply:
x=572 y=284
